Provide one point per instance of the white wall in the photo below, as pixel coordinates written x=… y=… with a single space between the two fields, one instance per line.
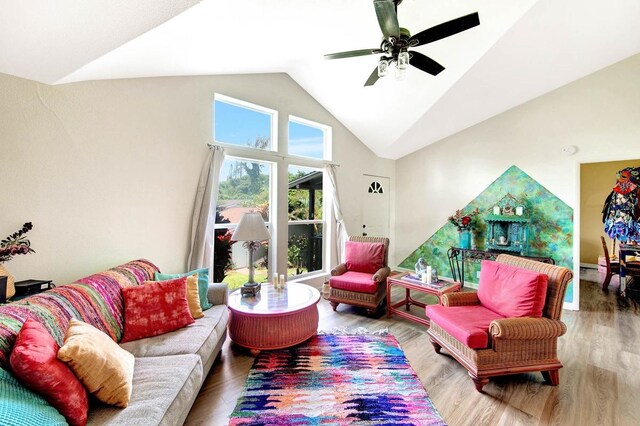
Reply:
x=107 y=170
x=599 y=114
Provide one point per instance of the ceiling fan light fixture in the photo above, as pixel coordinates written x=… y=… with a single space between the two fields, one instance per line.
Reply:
x=383 y=68
x=401 y=73
x=403 y=60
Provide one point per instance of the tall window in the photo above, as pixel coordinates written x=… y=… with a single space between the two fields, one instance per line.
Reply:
x=305 y=242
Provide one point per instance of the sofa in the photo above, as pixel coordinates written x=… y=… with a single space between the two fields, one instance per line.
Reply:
x=169 y=369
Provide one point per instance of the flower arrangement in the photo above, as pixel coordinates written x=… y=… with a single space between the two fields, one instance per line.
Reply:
x=15 y=244
x=465 y=222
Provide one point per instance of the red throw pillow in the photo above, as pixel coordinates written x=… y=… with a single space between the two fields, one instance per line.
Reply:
x=364 y=257
x=155 y=307
x=512 y=291
x=35 y=363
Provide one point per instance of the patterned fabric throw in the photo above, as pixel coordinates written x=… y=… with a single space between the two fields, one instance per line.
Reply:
x=335 y=380
x=96 y=300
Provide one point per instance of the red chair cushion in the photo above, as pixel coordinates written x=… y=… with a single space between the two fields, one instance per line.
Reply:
x=360 y=282
x=34 y=361
x=512 y=291
x=364 y=257
x=468 y=324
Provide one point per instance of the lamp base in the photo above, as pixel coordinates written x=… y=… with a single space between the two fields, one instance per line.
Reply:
x=250 y=289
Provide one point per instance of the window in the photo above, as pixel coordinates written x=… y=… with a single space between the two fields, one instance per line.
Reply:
x=305 y=239
x=243 y=124
x=308 y=139
x=245 y=185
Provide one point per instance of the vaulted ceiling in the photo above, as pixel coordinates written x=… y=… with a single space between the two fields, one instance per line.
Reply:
x=521 y=50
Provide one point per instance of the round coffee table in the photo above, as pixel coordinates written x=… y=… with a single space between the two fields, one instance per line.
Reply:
x=274 y=319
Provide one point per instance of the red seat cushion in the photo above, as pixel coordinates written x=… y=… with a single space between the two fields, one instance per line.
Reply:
x=364 y=257
x=468 y=324
x=359 y=282
x=512 y=291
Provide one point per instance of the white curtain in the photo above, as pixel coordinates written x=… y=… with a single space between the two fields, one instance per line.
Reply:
x=341 y=230
x=204 y=212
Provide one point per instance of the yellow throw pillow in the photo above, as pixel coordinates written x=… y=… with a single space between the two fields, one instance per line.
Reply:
x=193 y=298
x=103 y=367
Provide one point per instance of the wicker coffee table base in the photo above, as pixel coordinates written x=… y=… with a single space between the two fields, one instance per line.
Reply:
x=273 y=331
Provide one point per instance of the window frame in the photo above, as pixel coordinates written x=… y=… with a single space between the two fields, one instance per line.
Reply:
x=326 y=142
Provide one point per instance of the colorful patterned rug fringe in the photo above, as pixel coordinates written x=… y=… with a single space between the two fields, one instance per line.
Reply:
x=333 y=379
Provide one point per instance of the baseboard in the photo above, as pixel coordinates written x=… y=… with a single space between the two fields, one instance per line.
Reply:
x=588 y=265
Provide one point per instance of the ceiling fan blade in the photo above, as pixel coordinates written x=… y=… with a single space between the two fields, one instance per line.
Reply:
x=352 y=53
x=372 y=78
x=425 y=63
x=387 y=18
x=447 y=29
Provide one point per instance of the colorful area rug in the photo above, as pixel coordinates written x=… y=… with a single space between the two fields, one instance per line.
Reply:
x=335 y=380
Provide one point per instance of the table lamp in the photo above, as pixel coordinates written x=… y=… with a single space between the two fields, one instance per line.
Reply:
x=252 y=231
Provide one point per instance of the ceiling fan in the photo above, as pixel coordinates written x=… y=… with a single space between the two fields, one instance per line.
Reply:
x=397 y=41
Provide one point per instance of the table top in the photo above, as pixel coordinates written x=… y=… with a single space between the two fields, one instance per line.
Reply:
x=437 y=287
x=292 y=298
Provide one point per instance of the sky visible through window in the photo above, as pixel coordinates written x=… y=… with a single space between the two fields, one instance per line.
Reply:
x=241 y=126
x=306 y=141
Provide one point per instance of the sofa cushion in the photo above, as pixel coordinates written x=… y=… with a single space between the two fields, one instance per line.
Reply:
x=468 y=324
x=165 y=388
x=20 y=406
x=105 y=369
x=199 y=338
x=512 y=291
x=35 y=363
x=154 y=308
x=364 y=257
x=360 y=282
x=203 y=283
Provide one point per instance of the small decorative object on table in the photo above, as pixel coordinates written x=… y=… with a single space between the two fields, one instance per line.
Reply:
x=252 y=231
x=13 y=245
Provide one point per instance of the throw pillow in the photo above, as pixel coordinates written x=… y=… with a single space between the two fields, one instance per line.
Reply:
x=35 y=363
x=20 y=406
x=193 y=298
x=512 y=291
x=103 y=367
x=203 y=284
x=364 y=257
x=155 y=307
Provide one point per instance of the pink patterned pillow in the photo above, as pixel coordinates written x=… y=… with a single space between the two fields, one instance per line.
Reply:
x=155 y=307
x=364 y=257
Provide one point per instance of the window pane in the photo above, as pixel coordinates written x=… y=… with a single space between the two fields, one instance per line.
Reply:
x=305 y=193
x=304 y=252
x=306 y=141
x=244 y=187
x=233 y=259
x=237 y=125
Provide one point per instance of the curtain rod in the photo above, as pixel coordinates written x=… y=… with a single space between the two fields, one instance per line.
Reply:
x=273 y=154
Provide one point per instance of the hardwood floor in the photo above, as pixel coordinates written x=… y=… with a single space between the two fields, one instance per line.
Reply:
x=599 y=384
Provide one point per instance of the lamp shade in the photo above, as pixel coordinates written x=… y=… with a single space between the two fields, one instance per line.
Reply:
x=251 y=228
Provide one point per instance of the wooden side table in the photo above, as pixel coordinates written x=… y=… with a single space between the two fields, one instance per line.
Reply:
x=435 y=289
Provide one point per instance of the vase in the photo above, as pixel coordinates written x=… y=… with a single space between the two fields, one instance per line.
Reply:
x=465 y=238
x=11 y=290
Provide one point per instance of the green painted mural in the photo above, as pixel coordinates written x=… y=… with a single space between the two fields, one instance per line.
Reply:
x=550 y=228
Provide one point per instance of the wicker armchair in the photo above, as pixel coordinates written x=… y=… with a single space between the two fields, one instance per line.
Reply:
x=371 y=298
x=515 y=345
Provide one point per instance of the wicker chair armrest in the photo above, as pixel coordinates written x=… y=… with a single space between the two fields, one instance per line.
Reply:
x=382 y=274
x=526 y=328
x=460 y=299
x=339 y=269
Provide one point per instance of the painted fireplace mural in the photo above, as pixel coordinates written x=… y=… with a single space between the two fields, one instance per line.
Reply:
x=550 y=226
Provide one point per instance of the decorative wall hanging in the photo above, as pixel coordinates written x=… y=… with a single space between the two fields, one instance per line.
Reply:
x=508 y=232
x=550 y=226
x=621 y=211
